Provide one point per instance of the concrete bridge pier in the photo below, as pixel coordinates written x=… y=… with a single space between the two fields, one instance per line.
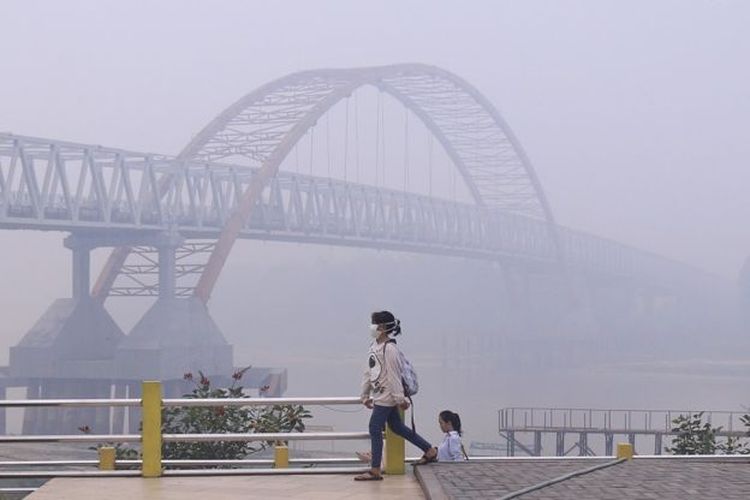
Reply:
x=68 y=353
x=177 y=335
x=76 y=350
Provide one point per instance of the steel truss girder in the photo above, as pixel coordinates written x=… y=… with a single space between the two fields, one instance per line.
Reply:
x=88 y=189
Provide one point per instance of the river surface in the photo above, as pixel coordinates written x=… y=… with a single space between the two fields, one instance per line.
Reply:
x=477 y=389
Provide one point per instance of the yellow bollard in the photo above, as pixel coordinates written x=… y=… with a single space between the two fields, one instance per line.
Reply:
x=151 y=434
x=625 y=450
x=280 y=456
x=106 y=458
x=395 y=454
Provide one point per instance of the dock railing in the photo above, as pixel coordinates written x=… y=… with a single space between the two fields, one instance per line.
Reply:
x=608 y=423
x=614 y=420
x=151 y=438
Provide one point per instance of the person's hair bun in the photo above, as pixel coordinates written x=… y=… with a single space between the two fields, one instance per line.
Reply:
x=396 y=330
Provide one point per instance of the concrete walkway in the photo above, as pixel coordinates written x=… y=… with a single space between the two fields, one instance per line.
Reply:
x=334 y=486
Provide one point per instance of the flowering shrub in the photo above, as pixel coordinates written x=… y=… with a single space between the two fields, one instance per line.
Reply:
x=226 y=419
x=217 y=420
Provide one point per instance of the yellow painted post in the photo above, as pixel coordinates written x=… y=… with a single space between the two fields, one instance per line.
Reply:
x=625 y=450
x=280 y=456
x=395 y=454
x=106 y=458
x=151 y=434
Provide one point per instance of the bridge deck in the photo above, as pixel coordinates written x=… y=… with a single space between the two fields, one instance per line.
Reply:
x=229 y=487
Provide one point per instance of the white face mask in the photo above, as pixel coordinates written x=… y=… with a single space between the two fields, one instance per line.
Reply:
x=374 y=332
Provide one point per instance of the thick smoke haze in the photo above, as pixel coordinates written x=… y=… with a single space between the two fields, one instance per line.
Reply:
x=634 y=115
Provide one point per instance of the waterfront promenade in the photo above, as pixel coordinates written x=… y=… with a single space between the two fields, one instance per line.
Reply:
x=312 y=487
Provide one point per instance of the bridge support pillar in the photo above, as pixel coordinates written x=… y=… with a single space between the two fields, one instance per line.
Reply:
x=81 y=269
x=167 y=277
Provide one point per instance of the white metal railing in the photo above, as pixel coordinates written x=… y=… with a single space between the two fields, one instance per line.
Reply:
x=151 y=439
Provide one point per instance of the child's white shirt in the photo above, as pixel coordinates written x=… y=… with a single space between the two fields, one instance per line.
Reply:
x=450 y=449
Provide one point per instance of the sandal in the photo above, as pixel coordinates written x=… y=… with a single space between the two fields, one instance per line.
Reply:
x=427 y=460
x=368 y=476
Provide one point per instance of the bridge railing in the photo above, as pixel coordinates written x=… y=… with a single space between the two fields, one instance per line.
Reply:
x=151 y=439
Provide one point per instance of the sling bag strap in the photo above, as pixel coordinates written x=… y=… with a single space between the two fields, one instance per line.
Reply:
x=411 y=402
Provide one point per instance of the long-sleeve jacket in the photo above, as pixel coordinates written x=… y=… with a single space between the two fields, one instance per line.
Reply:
x=382 y=376
x=450 y=449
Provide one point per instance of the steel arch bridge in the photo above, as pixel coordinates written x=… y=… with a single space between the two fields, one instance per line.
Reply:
x=226 y=184
x=262 y=127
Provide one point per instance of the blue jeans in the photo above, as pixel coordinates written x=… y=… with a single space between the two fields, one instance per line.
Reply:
x=381 y=415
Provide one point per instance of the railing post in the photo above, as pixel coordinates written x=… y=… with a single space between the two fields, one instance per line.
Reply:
x=395 y=454
x=151 y=434
x=106 y=458
x=280 y=456
x=625 y=450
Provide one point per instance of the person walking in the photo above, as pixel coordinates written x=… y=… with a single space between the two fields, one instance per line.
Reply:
x=383 y=393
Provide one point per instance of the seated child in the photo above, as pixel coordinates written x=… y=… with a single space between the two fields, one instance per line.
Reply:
x=451 y=449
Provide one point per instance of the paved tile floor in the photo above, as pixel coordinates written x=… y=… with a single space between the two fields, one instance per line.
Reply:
x=658 y=479
x=329 y=487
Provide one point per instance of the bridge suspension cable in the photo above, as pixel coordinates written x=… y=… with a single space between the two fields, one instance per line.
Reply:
x=312 y=147
x=406 y=149
x=346 y=137
x=356 y=135
x=328 y=143
x=378 y=120
x=429 y=164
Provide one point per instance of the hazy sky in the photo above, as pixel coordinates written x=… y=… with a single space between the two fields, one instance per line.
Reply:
x=634 y=113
